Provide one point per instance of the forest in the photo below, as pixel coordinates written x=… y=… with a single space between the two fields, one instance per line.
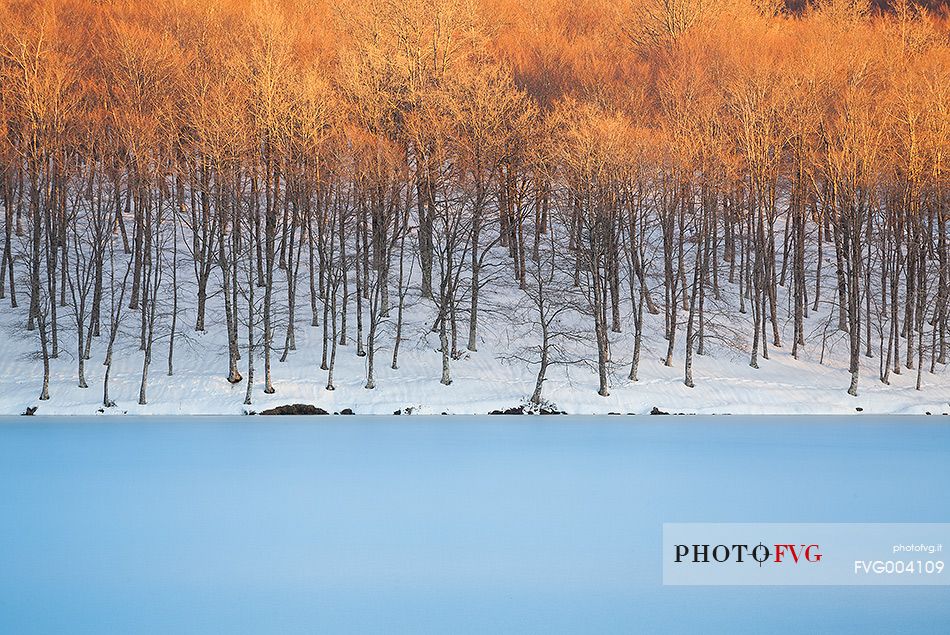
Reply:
x=712 y=174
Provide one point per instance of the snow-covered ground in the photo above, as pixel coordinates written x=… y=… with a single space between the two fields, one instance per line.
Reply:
x=483 y=381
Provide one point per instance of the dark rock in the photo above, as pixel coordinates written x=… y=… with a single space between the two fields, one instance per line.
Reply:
x=30 y=411
x=859 y=409
x=397 y=412
x=517 y=410
x=544 y=408
x=295 y=409
x=346 y=411
x=657 y=411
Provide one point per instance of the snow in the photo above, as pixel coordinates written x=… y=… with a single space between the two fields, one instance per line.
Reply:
x=483 y=381
x=438 y=525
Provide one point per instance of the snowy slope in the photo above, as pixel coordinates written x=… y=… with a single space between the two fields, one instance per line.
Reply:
x=482 y=381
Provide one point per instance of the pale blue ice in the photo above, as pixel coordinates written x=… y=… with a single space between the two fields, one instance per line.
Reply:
x=441 y=525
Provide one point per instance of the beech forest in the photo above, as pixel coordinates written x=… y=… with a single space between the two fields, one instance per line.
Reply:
x=743 y=175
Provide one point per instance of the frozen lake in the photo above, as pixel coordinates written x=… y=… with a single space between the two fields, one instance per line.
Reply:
x=482 y=524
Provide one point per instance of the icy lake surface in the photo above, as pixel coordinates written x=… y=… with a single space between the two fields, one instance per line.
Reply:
x=398 y=524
